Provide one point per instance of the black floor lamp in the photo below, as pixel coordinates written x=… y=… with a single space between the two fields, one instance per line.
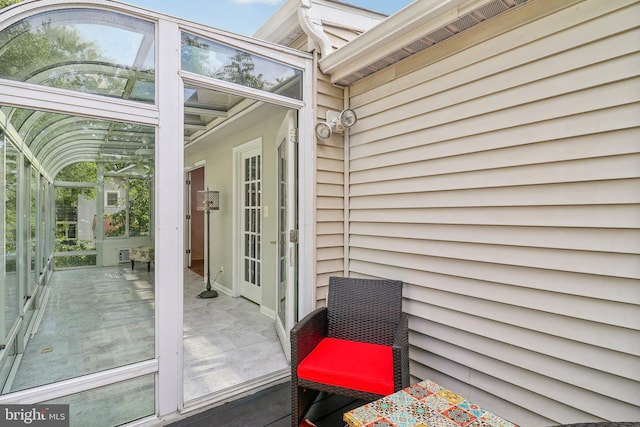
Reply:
x=208 y=201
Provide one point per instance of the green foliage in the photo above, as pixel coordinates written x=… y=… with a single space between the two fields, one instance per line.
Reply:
x=67 y=197
x=241 y=70
x=5 y=3
x=79 y=172
x=139 y=208
x=74 y=261
x=138 y=211
x=194 y=56
x=32 y=49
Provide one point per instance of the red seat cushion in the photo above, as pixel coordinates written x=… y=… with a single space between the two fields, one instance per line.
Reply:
x=349 y=364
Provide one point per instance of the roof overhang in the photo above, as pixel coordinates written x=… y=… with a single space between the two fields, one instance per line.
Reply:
x=283 y=27
x=406 y=33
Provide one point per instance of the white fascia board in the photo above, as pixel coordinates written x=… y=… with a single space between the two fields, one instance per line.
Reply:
x=408 y=25
x=280 y=24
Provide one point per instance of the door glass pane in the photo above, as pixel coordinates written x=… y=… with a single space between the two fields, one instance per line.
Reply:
x=252 y=217
x=282 y=231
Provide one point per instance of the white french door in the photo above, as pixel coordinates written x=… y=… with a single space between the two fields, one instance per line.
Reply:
x=287 y=233
x=251 y=224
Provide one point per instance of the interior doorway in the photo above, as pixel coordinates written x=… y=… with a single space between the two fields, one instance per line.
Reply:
x=239 y=340
x=195 y=221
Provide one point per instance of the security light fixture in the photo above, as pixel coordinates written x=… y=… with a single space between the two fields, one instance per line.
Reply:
x=336 y=122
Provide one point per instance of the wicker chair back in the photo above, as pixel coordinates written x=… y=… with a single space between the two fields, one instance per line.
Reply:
x=365 y=310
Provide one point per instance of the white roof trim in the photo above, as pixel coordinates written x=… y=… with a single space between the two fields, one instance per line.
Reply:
x=283 y=26
x=394 y=33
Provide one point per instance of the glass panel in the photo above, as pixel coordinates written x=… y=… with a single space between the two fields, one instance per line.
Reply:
x=85 y=50
x=252 y=219
x=94 y=318
x=53 y=139
x=42 y=232
x=9 y=286
x=204 y=106
x=222 y=62
x=112 y=405
x=282 y=231
x=115 y=207
x=33 y=229
x=139 y=206
x=75 y=226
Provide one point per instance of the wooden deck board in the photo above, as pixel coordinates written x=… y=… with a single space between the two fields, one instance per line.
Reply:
x=271 y=408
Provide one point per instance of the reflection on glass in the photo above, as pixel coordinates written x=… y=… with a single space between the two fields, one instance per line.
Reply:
x=33 y=228
x=86 y=50
x=75 y=226
x=127 y=206
x=9 y=284
x=202 y=106
x=222 y=62
x=112 y=405
x=115 y=209
x=42 y=221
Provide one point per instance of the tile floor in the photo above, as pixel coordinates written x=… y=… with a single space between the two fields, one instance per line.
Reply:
x=227 y=341
x=98 y=319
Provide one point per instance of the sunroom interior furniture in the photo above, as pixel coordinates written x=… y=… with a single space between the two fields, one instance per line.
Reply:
x=356 y=346
x=142 y=254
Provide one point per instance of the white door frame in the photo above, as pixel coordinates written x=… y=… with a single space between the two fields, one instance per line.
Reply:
x=287 y=136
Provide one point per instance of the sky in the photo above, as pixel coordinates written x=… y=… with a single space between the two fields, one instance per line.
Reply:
x=243 y=16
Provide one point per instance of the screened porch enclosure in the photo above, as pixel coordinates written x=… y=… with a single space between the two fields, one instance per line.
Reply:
x=85 y=129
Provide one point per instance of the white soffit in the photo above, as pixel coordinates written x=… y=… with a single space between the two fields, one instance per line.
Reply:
x=413 y=29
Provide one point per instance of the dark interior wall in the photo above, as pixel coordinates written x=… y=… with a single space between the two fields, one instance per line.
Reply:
x=197 y=217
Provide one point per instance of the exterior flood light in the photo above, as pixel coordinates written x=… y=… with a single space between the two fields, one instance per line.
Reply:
x=336 y=122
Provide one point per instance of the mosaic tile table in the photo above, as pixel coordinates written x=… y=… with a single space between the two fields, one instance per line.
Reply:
x=425 y=404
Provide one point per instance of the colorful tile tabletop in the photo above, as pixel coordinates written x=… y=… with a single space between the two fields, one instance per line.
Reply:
x=425 y=404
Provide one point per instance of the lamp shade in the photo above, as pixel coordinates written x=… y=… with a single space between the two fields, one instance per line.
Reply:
x=208 y=200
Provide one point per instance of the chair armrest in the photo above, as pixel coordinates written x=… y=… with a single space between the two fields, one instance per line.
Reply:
x=306 y=335
x=400 y=350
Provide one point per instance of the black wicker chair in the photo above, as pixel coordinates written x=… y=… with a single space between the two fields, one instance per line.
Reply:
x=358 y=310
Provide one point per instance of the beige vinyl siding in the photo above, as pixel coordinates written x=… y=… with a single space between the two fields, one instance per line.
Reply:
x=498 y=175
x=329 y=192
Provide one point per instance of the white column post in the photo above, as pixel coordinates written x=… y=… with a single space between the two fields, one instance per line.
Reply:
x=169 y=259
